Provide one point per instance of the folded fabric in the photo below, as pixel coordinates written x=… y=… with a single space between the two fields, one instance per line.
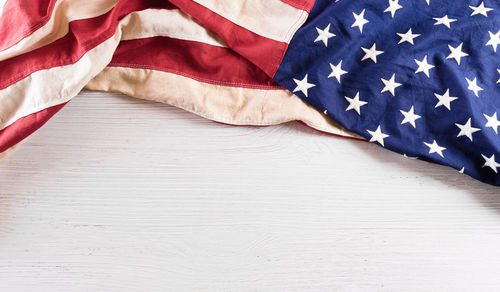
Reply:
x=419 y=77
x=186 y=65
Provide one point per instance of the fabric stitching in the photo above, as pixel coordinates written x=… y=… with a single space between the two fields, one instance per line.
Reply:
x=33 y=28
x=206 y=80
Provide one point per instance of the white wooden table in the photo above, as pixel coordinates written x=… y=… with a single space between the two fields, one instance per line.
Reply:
x=118 y=194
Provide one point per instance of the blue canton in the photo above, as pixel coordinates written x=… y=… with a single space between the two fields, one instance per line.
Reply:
x=419 y=77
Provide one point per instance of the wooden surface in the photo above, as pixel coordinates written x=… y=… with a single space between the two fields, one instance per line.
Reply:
x=119 y=194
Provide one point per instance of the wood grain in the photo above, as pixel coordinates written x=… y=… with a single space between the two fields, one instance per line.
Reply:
x=119 y=194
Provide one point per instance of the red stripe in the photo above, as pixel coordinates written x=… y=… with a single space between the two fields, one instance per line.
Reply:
x=263 y=52
x=83 y=36
x=306 y=5
x=24 y=127
x=21 y=17
x=199 y=61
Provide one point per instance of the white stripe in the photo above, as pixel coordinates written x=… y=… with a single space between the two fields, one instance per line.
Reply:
x=170 y=23
x=225 y=104
x=46 y=88
x=2 y=3
x=64 y=12
x=268 y=18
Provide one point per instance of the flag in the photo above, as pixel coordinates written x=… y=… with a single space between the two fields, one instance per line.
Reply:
x=418 y=77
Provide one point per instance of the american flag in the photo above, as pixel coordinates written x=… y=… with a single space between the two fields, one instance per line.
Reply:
x=419 y=77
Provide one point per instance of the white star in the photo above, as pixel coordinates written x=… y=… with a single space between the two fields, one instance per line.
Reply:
x=480 y=9
x=490 y=162
x=324 y=35
x=498 y=70
x=494 y=40
x=393 y=7
x=445 y=99
x=377 y=136
x=410 y=117
x=492 y=122
x=473 y=86
x=337 y=71
x=467 y=129
x=371 y=53
x=423 y=66
x=390 y=85
x=303 y=85
x=407 y=37
x=360 y=20
x=456 y=53
x=435 y=148
x=355 y=103
x=428 y=2
x=462 y=170
x=444 y=21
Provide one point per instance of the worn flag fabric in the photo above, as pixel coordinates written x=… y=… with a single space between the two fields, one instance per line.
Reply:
x=50 y=50
x=192 y=68
x=419 y=77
